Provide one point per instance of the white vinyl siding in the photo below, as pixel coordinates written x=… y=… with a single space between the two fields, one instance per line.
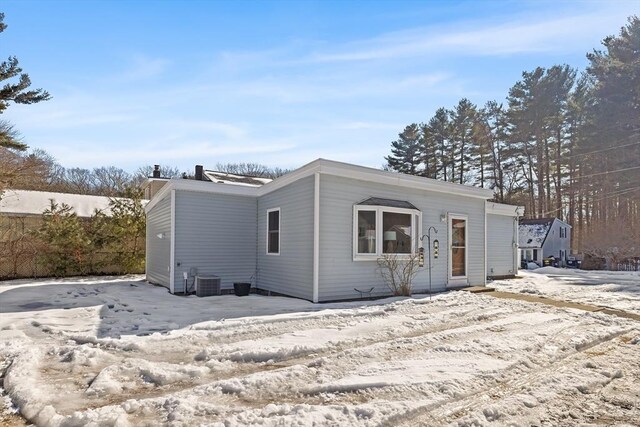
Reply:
x=553 y=244
x=158 y=242
x=216 y=234
x=339 y=274
x=290 y=273
x=501 y=248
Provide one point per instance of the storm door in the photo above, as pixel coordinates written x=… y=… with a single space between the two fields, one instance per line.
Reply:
x=458 y=247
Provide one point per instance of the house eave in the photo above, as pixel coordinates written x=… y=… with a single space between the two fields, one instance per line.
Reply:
x=202 y=187
x=504 y=209
x=328 y=167
x=363 y=173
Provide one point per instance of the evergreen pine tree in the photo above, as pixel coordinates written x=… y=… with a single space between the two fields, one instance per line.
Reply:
x=438 y=130
x=462 y=121
x=406 y=151
x=16 y=92
x=429 y=148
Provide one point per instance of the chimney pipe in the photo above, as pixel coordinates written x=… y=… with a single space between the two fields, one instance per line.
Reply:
x=199 y=173
x=156 y=171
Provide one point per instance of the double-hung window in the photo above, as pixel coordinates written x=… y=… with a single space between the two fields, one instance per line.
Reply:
x=273 y=231
x=381 y=229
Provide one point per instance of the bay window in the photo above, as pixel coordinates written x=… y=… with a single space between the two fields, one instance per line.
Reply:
x=380 y=230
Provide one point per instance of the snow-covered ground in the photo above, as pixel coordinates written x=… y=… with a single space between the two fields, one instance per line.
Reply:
x=117 y=351
x=615 y=289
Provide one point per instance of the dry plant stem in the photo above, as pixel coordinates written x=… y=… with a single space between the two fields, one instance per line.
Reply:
x=398 y=272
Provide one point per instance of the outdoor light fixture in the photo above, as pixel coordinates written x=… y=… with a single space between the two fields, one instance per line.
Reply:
x=160 y=235
x=443 y=217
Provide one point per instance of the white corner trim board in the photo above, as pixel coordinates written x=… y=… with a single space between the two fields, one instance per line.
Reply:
x=316 y=236
x=172 y=244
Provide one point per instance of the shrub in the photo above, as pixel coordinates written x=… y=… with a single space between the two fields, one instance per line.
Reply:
x=398 y=272
x=66 y=245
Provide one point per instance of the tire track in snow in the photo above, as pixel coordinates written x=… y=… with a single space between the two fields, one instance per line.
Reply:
x=443 y=413
x=244 y=369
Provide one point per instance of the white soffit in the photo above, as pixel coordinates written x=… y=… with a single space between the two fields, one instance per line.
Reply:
x=503 y=209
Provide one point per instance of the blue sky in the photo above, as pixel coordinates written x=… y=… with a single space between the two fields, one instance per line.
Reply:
x=279 y=83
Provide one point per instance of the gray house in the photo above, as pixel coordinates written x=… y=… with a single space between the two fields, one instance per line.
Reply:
x=502 y=239
x=544 y=237
x=315 y=233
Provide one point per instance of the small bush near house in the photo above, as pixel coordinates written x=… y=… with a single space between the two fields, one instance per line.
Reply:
x=398 y=272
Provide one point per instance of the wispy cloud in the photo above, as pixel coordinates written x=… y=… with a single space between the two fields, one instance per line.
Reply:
x=345 y=96
x=142 y=67
x=360 y=125
x=337 y=86
x=229 y=131
x=71 y=111
x=194 y=151
x=534 y=34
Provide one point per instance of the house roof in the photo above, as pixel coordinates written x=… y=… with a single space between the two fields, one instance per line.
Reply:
x=328 y=167
x=533 y=232
x=25 y=202
x=377 y=201
x=540 y=221
x=235 y=179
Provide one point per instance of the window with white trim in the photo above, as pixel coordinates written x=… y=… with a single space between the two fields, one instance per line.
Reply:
x=380 y=230
x=273 y=231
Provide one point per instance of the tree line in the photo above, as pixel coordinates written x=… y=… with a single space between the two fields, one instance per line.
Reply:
x=563 y=144
x=38 y=170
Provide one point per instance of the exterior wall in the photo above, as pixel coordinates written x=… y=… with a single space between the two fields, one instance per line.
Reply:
x=554 y=243
x=159 y=250
x=290 y=272
x=339 y=274
x=501 y=245
x=215 y=233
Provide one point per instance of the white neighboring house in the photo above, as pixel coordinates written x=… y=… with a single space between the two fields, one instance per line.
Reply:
x=544 y=237
x=34 y=203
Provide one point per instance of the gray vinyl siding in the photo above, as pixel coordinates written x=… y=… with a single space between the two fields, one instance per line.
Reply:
x=159 y=250
x=554 y=243
x=215 y=233
x=291 y=272
x=339 y=274
x=501 y=236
